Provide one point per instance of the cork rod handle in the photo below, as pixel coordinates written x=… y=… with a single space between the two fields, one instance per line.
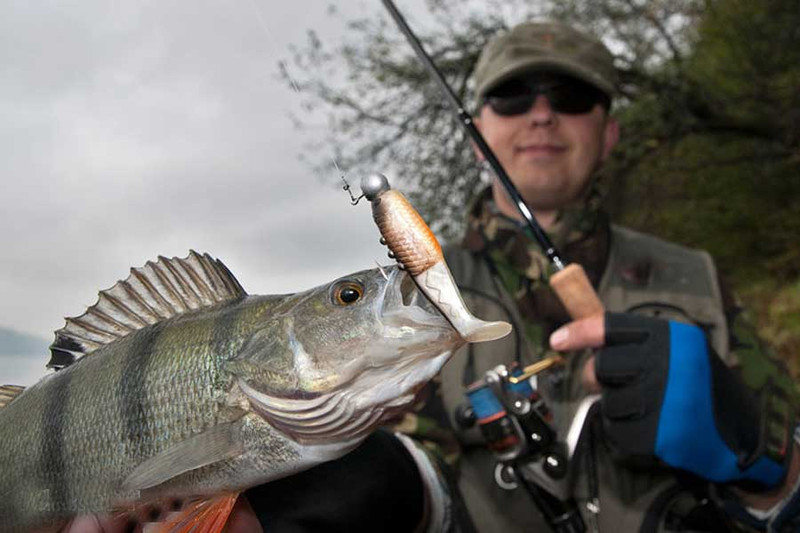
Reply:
x=573 y=288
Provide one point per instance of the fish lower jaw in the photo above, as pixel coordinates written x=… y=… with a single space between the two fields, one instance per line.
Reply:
x=407 y=377
x=325 y=419
x=399 y=405
x=413 y=335
x=349 y=412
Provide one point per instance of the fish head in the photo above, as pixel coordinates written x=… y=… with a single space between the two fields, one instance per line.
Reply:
x=336 y=361
x=365 y=321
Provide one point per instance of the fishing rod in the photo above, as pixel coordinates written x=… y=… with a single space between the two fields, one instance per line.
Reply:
x=536 y=459
x=569 y=282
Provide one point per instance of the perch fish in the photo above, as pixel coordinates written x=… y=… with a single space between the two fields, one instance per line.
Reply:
x=178 y=383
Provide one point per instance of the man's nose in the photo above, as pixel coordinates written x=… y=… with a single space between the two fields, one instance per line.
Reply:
x=541 y=114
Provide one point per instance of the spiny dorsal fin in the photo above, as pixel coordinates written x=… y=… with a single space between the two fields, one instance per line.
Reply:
x=8 y=393
x=152 y=293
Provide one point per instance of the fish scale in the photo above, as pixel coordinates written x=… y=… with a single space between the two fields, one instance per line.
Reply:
x=118 y=392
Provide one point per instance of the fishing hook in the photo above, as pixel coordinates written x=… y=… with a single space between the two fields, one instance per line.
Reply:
x=353 y=199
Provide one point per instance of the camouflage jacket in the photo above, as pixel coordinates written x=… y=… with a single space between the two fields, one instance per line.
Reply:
x=503 y=276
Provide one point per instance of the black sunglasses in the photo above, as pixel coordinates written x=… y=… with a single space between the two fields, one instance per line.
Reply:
x=565 y=95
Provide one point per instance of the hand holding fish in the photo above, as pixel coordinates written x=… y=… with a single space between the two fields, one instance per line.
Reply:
x=376 y=487
x=377 y=484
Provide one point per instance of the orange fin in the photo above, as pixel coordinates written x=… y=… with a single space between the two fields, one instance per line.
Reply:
x=201 y=516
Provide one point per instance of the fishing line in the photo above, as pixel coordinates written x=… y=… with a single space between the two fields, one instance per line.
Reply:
x=285 y=69
x=296 y=88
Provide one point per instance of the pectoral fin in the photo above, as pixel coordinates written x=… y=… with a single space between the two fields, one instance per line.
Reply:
x=213 y=445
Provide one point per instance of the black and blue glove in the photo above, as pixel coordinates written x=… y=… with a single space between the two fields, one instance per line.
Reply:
x=667 y=395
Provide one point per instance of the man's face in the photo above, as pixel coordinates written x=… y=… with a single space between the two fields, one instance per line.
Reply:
x=549 y=155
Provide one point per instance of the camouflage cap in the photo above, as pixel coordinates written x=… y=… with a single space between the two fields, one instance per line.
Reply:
x=545 y=46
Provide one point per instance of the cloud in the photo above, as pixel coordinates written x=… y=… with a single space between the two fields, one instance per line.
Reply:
x=136 y=129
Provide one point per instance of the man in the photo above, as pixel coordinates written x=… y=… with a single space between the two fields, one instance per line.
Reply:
x=678 y=436
x=678 y=441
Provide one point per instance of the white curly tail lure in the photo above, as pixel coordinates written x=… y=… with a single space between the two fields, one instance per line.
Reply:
x=412 y=243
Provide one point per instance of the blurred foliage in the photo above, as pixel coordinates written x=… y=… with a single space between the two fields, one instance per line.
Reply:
x=718 y=168
x=775 y=307
x=714 y=162
x=709 y=108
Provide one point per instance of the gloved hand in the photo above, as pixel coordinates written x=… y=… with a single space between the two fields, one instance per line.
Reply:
x=667 y=395
x=376 y=487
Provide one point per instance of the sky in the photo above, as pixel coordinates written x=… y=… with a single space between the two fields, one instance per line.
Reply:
x=136 y=129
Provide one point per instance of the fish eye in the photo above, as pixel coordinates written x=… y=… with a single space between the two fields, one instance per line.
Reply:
x=347 y=293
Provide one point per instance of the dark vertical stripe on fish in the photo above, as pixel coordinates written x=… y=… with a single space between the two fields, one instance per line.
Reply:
x=53 y=464
x=134 y=404
x=224 y=333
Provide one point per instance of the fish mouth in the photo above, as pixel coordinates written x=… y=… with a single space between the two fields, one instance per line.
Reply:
x=442 y=298
x=405 y=305
x=409 y=293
